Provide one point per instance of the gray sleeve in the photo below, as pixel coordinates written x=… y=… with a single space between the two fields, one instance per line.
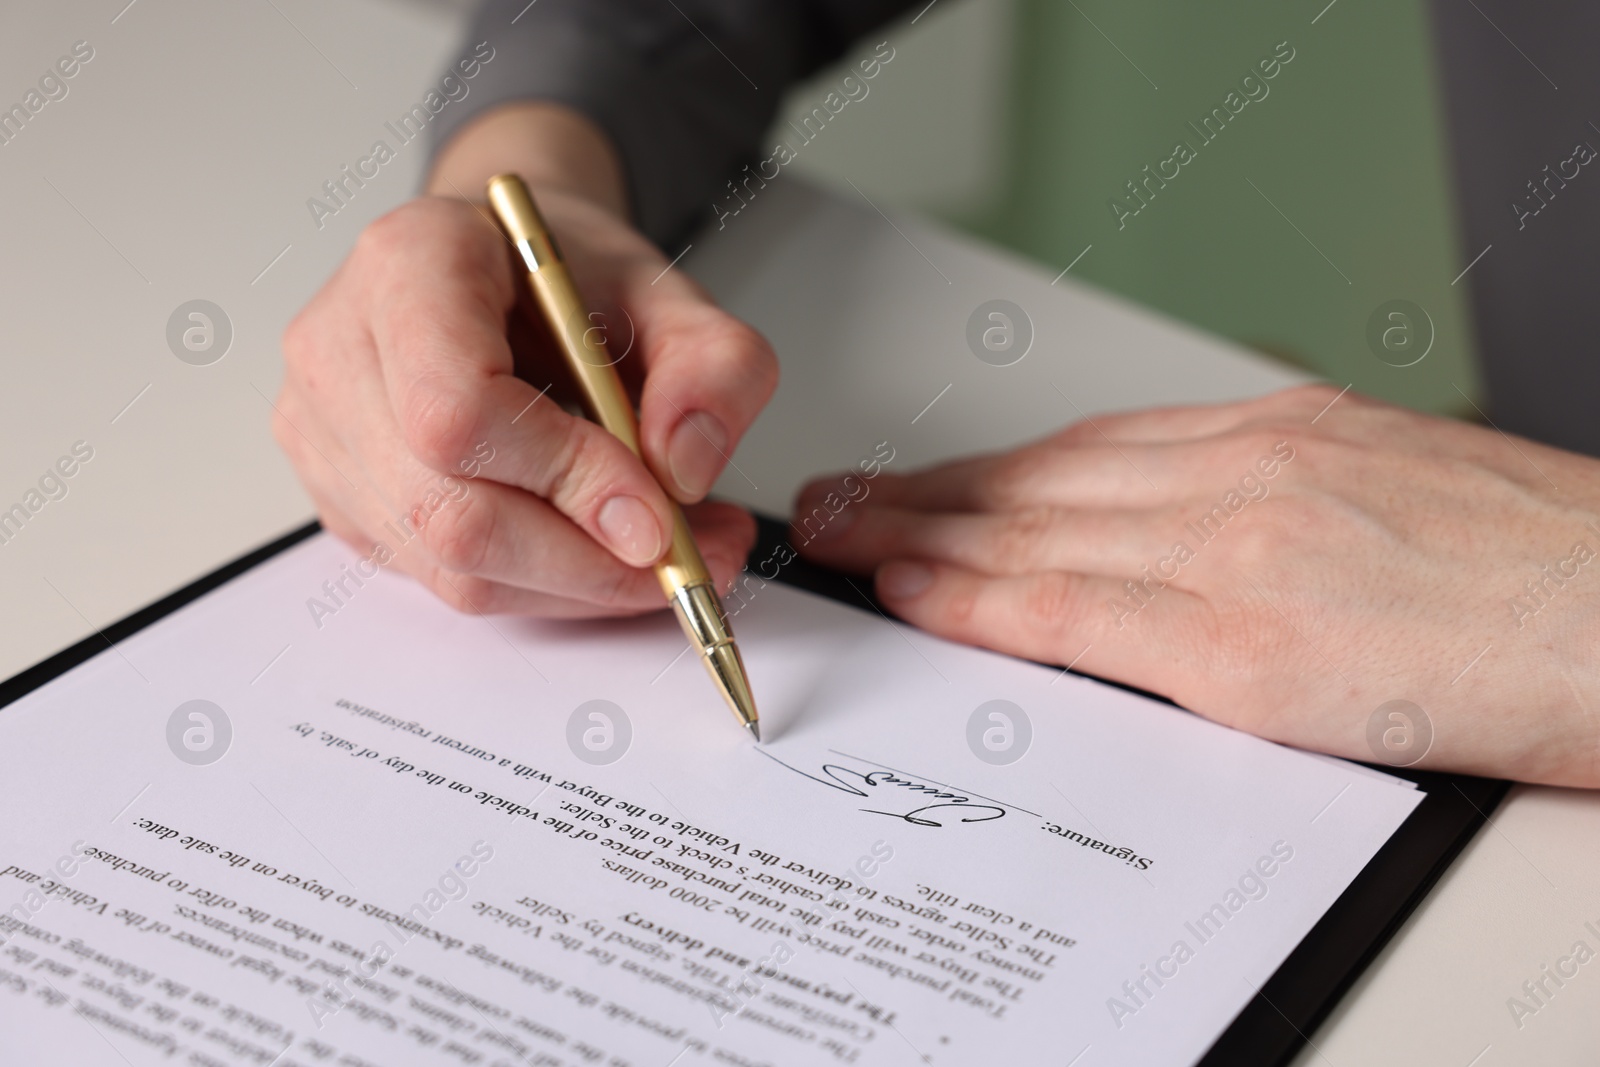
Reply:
x=1528 y=207
x=685 y=88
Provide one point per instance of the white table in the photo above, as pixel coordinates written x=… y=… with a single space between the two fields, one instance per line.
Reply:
x=178 y=167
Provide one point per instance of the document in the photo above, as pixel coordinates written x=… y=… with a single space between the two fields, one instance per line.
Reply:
x=315 y=817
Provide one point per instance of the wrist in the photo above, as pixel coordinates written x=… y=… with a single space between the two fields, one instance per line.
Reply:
x=1574 y=688
x=549 y=145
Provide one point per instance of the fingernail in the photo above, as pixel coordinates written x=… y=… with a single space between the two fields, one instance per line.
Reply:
x=902 y=581
x=631 y=528
x=696 y=452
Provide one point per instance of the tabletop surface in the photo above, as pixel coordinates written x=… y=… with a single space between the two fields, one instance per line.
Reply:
x=125 y=202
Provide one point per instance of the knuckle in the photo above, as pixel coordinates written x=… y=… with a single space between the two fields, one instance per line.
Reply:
x=1252 y=543
x=460 y=536
x=752 y=355
x=395 y=231
x=960 y=610
x=1051 y=601
x=433 y=233
x=440 y=419
x=1298 y=396
x=576 y=479
x=1025 y=535
x=1080 y=433
x=730 y=353
x=1298 y=403
x=1263 y=440
x=299 y=338
x=387 y=234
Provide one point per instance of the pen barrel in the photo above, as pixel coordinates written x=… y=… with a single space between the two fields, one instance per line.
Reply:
x=583 y=345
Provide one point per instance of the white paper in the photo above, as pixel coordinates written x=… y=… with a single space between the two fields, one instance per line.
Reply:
x=698 y=901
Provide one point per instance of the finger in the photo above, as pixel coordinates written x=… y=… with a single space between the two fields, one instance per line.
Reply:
x=1054 y=617
x=472 y=595
x=504 y=431
x=1113 y=476
x=1110 y=542
x=486 y=530
x=503 y=534
x=1035 y=475
x=462 y=592
x=702 y=374
x=478 y=527
x=707 y=377
x=723 y=532
x=726 y=535
x=465 y=593
x=439 y=328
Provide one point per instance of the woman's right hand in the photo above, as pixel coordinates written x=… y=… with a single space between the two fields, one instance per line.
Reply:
x=409 y=406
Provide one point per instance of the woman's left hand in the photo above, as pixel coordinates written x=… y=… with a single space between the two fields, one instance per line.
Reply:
x=1285 y=566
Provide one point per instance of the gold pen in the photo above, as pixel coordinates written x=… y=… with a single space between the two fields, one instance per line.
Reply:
x=682 y=573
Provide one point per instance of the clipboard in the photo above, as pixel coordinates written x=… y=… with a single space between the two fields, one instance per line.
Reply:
x=1289 y=1006
x=1303 y=991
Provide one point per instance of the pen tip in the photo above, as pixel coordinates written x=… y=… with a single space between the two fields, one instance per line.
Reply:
x=755 y=730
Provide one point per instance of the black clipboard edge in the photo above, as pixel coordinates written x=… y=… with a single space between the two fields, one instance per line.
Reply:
x=19 y=685
x=1304 y=990
x=1289 y=1006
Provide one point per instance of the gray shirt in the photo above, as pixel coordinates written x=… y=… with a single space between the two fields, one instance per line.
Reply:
x=686 y=89
x=1515 y=110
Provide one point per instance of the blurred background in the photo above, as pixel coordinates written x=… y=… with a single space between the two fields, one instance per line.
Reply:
x=1019 y=120
x=179 y=166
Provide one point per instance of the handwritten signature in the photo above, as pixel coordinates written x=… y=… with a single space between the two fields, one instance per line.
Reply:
x=882 y=784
